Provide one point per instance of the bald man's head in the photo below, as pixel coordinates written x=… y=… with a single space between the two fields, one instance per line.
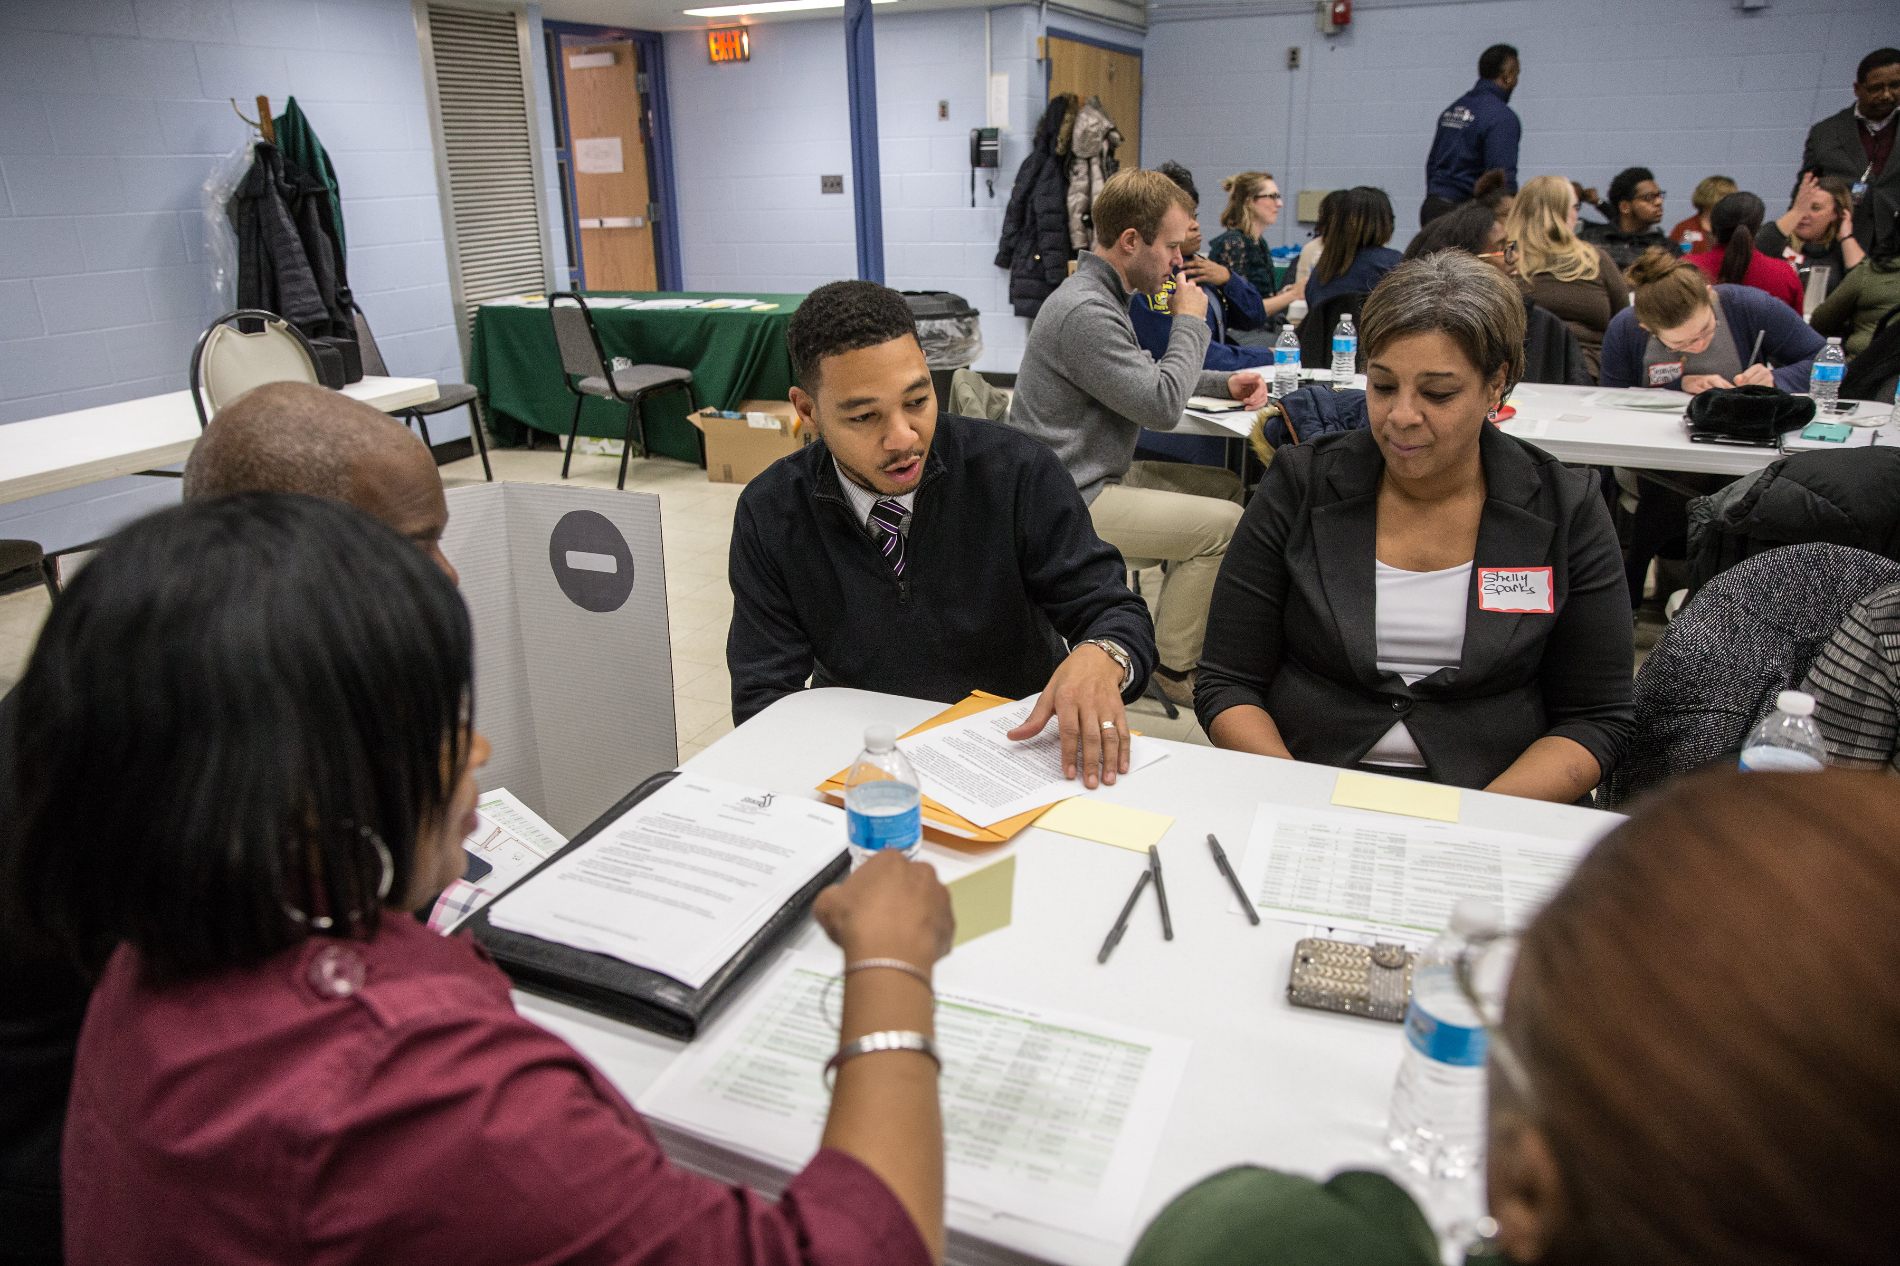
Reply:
x=297 y=437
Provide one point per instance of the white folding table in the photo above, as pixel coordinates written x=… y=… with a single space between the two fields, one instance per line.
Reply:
x=69 y=450
x=1582 y=425
x=1266 y=1082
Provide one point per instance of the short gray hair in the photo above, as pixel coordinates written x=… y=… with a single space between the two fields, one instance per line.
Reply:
x=1459 y=296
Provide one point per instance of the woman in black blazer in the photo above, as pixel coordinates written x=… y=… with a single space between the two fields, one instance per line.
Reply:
x=1427 y=597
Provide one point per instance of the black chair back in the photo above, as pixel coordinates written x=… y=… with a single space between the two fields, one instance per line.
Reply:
x=1316 y=330
x=373 y=363
x=582 y=356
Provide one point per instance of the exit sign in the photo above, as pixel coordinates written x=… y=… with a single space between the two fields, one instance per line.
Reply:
x=729 y=44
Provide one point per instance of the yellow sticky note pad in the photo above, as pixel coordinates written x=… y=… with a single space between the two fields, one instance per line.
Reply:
x=1395 y=795
x=982 y=890
x=1106 y=823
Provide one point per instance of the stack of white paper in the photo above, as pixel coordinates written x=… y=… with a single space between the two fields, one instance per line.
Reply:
x=1395 y=878
x=509 y=841
x=683 y=881
x=1048 y=1117
x=971 y=768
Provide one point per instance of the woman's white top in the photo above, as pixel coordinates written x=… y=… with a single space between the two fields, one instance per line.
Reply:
x=1419 y=620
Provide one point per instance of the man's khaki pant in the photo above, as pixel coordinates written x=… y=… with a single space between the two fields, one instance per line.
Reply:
x=1188 y=533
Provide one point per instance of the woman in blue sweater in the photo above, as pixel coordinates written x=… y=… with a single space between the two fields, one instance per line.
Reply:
x=1356 y=257
x=1689 y=335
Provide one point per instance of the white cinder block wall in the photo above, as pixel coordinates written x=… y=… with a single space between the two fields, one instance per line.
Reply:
x=1687 y=88
x=751 y=140
x=112 y=114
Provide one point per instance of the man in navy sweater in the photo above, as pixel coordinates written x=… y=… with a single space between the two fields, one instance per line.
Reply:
x=1477 y=133
x=925 y=554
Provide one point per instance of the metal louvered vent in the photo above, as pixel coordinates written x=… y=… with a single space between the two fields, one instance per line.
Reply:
x=486 y=156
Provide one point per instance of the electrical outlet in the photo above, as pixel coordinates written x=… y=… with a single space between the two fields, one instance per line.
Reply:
x=831 y=184
x=943 y=111
x=1293 y=57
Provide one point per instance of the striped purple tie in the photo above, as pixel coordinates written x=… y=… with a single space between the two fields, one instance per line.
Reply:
x=887 y=526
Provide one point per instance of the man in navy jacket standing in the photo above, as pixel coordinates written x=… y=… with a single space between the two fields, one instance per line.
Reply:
x=1477 y=133
x=926 y=554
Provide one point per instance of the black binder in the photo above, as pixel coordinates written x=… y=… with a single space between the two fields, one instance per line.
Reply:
x=618 y=989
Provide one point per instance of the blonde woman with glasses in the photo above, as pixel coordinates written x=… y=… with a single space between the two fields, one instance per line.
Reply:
x=1563 y=273
x=1254 y=202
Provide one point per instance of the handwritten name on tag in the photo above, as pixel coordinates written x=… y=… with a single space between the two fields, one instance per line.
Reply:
x=1516 y=590
x=1663 y=373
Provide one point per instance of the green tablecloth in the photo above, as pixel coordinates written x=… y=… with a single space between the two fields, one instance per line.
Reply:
x=734 y=355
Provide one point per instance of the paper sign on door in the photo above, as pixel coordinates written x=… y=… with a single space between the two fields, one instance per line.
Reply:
x=1516 y=590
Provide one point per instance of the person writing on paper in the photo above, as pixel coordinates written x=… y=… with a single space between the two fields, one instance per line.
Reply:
x=925 y=554
x=1739 y=1105
x=1427 y=597
x=1685 y=334
x=285 y=437
x=279 y=1064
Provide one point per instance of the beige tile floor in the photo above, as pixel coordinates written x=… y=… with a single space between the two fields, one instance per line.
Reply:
x=696 y=529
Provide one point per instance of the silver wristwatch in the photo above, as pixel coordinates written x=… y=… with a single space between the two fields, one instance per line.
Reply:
x=1116 y=653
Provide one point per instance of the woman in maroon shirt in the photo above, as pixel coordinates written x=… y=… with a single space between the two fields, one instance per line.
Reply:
x=1732 y=258
x=245 y=754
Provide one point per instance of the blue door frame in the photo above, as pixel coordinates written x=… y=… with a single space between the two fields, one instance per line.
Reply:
x=666 y=253
x=867 y=183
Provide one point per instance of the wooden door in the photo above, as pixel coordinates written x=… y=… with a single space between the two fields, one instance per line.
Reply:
x=608 y=157
x=1088 y=70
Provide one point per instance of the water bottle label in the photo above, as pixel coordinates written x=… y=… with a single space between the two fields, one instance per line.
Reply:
x=873 y=831
x=1344 y=345
x=1444 y=1043
x=1829 y=373
x=1779 y=760
x=1285 y=356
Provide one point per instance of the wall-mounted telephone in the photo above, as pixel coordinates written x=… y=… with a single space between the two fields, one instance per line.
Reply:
x=986 y=151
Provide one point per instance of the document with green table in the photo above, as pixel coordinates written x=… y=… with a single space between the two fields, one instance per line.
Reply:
x=1048 y=1118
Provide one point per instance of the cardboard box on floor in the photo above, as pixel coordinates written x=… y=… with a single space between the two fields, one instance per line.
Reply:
x=566 y=588
x=737 y=449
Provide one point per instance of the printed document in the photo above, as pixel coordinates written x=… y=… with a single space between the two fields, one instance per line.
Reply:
x=682 y=881
x=508 y=842
x=971 y=768
x=1049 y=1118
x=1394 y=878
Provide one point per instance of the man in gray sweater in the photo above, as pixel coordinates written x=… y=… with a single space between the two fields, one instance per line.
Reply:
x=1087 y=388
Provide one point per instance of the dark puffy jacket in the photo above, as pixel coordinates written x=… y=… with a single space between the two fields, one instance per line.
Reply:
x=1035 y=242
x=1748 y=636
x=1843 y=497
x=1311 y=412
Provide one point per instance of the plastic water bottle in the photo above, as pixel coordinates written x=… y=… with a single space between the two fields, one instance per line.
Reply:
x=1346 y=352
x=1824 y=381
x=881 y=801
x=1286 y=363
x=1787 y=738
x=1437 y=1120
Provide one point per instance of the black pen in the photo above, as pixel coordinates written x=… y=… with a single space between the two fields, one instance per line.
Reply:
x=1161 y=893
x=1233 y=880
x=1121 y=924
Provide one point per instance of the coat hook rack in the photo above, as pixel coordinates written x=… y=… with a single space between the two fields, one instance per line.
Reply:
x=262 y=122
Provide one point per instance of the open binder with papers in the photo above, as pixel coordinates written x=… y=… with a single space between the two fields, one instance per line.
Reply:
x=640 y=919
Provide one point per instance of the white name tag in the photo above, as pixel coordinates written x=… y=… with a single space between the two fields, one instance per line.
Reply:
x=1665 y=372
x=1516 y=590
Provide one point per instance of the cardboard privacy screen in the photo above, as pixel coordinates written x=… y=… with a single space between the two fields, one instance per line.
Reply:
x=573 y=667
